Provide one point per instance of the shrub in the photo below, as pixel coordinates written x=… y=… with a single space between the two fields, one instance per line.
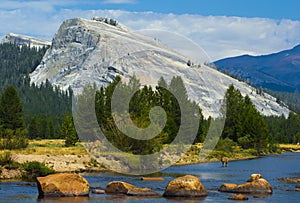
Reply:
x=13 y=139
x=5 y=158
x=35 y=169
x=226 y=145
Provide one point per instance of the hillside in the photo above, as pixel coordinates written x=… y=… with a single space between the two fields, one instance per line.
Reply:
x=277 y=71
x=95 y=51
x=44 y=106
x=25 y=40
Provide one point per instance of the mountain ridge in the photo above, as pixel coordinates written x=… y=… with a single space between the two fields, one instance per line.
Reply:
x=95 y=50
x=24 y=39
x=277 y=71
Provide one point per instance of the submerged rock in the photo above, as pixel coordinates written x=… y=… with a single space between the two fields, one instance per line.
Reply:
x=98 y=191
x=141 y=192
x=290 y=180
x=186 y=186
x=255 y=185
x=239 y=197
x=63 y=185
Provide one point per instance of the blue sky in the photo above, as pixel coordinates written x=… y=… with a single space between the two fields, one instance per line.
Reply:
x=222 y=28
x=276 y=9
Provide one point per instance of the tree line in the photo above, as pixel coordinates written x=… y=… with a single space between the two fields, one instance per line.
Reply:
x=44 y=106
x=46 y=110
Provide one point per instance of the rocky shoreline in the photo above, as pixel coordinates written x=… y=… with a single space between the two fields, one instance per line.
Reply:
x=77 y=164
x=70 y=163
x=188 y=186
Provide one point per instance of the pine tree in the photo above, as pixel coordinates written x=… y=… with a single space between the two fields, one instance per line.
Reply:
x=11 y=112
x=234 y=105
x=33 y=129
x=68 y=131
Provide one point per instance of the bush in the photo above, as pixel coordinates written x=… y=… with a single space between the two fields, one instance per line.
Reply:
x=35 y=169
x=5 y=158
x=14 y=143
x=13 y=139
x=226 y=145
x=245 y=142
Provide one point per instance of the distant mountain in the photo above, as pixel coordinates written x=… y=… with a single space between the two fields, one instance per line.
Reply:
x=85 y=51
x=278 y=71
x=23 y=39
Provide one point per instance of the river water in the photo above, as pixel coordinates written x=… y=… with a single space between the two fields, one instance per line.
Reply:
x=212 y=176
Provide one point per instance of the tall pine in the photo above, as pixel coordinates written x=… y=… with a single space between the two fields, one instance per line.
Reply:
x=11 y=110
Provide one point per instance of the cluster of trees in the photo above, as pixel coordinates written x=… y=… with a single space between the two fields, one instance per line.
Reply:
x=284 y=130
x=143 y=100
x=288 y=98
x=44 y=106
x=244 y=124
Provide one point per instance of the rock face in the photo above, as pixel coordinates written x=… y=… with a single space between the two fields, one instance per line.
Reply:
x=186 y=186
x=95 y=51
x=118 y=187
x=63 y=185
x=255 y=186
x=239 y=197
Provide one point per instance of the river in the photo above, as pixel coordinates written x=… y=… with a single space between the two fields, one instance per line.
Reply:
x=212 y=176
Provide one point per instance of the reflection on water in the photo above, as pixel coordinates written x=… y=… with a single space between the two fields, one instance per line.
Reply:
x=212 y=175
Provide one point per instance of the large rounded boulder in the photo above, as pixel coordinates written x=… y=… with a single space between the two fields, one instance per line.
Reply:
x=63 y=185
x=186 y=186
x=255 y=185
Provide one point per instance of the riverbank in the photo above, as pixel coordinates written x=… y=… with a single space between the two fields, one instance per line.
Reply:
x=76 y=159
x=212 y=176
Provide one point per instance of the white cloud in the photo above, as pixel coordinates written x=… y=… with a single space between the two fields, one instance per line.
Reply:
x=219 y=36
x=119 y=1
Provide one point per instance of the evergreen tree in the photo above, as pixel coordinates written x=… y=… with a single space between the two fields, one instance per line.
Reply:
x=243 y=123
x=234 y=103
x=11 y=112
x=68 y=131
x=33 y=129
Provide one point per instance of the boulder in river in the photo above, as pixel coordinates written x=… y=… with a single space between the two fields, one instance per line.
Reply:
x=290 y=180
x=238 y=197
x=254 y=176
x=98 y=191
x=255 y=186
x=63 y=185
x=118 y=187
x=141 y=192
x=186 y=186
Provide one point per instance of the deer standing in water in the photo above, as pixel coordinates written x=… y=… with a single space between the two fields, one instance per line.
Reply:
x=224 y=161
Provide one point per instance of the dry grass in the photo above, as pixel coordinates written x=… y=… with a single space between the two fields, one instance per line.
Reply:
x=289 y=147
x=51 y=147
